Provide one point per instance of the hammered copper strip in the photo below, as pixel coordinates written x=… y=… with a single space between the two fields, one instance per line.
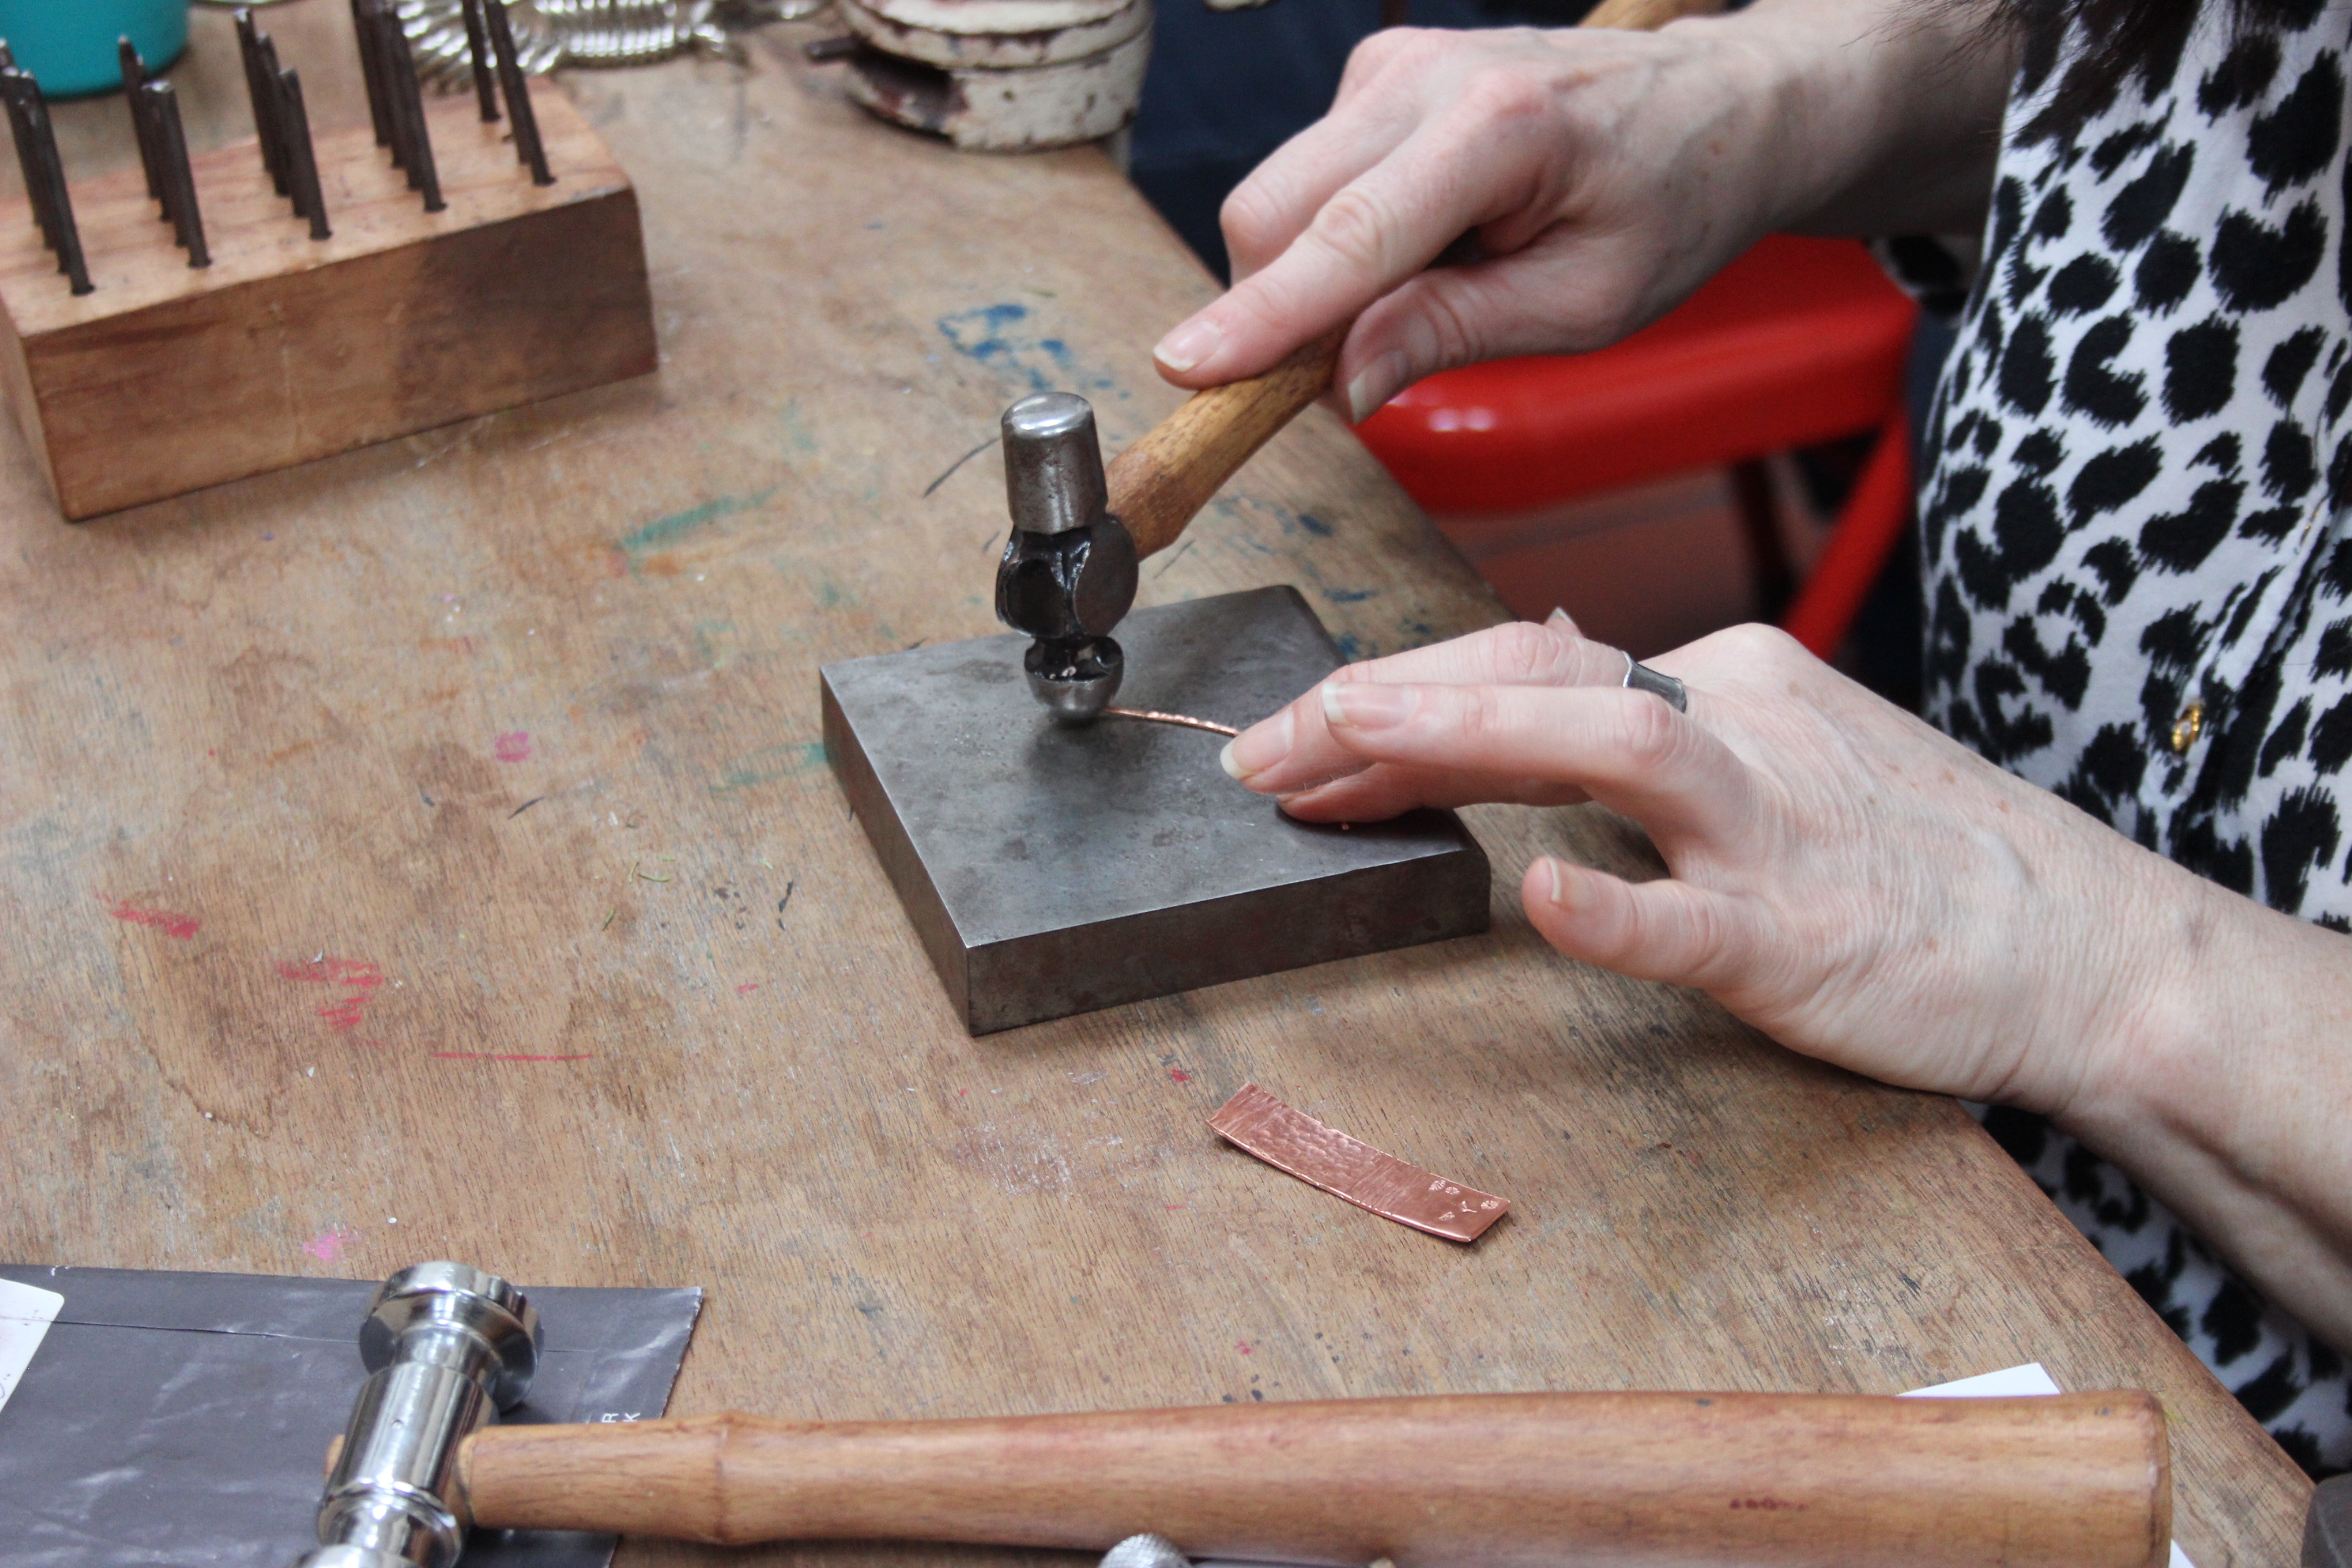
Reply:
x=1156 y=717
x=1292 y=1140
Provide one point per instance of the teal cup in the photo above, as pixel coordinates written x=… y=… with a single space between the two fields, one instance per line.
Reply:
x=69 y=44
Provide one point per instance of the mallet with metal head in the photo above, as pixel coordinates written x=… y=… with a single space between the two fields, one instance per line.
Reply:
x=1068 y=572
x=446 y=1347
x=1502 y=1480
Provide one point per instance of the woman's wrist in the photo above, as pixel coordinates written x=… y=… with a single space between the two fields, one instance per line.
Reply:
x=1877 y=118
x=2219 y=1074
x=2106 y=936
x=1766 y=60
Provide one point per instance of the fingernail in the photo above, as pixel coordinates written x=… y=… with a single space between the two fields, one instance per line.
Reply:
x=1555 y=885
x=1559 y=618
x=1257 y=748
x=1368 y=705
x=1189 y=344
x=1375 y=385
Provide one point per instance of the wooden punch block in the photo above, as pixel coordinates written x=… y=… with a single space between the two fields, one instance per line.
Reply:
x=169 y=377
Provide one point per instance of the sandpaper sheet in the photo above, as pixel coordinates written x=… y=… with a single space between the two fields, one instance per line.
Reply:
x=184 y=1418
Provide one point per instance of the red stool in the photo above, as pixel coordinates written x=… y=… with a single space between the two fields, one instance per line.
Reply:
x=1797 y=343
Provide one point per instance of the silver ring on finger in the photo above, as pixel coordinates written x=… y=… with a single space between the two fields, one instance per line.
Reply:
x=1640 y=677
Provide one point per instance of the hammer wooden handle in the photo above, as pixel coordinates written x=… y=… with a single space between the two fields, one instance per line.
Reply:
x=1162 y=482
x=1643 y=16
x=1457 y=1481
x=1158 y=483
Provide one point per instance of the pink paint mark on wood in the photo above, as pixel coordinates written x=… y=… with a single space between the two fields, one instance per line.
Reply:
x=328 y=971
x=180 y=926
x=514 y=746
x=1179 y=1074
x=506 y=1057
x=745 y=990
x=328 y=1246
x=359 y=979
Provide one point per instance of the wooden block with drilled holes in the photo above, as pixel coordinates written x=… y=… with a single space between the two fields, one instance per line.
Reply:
x=169 y=378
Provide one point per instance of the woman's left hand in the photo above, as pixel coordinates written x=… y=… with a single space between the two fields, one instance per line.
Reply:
x=1843 y=876
x=1867 y=891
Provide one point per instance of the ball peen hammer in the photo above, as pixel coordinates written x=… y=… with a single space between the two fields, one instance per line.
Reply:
x=1068 y=572
x=1079 y=528
x=1448 y=1481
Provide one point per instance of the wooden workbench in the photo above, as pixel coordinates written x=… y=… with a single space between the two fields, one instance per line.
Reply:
x=429 y=852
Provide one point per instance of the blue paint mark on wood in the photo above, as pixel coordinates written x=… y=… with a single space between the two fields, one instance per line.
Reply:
x=797 y=430
x=667 y=531
x=1315 y=525
x=768 y=764
x=1006 y=338
x=1349 y=595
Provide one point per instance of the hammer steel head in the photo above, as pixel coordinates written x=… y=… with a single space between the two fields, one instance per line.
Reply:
x=1068 y=572
x=1075 y=681
x=446 y=1347
x=1053 y=464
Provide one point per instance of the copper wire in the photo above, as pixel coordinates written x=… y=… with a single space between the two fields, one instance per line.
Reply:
x=1156 y=717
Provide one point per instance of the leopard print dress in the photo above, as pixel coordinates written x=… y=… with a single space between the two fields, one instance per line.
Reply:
x=2137 y=557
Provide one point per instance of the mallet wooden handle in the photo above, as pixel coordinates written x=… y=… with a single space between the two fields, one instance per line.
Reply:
x=1456 y=1481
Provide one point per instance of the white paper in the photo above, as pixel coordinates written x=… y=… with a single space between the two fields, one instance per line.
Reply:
x=2009 y=1383
x=26 y=1314
x=2013 y=1382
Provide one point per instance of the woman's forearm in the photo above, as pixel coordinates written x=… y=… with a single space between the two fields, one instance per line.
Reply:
x=2226 y=1089
x=1886 y=114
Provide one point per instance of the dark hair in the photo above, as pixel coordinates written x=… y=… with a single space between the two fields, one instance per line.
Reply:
x=2120 y=43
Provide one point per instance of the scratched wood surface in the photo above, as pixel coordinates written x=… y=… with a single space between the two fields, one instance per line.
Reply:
x=429 y=852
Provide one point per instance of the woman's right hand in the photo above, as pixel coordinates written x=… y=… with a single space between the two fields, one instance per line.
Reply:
x=1605 y=173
